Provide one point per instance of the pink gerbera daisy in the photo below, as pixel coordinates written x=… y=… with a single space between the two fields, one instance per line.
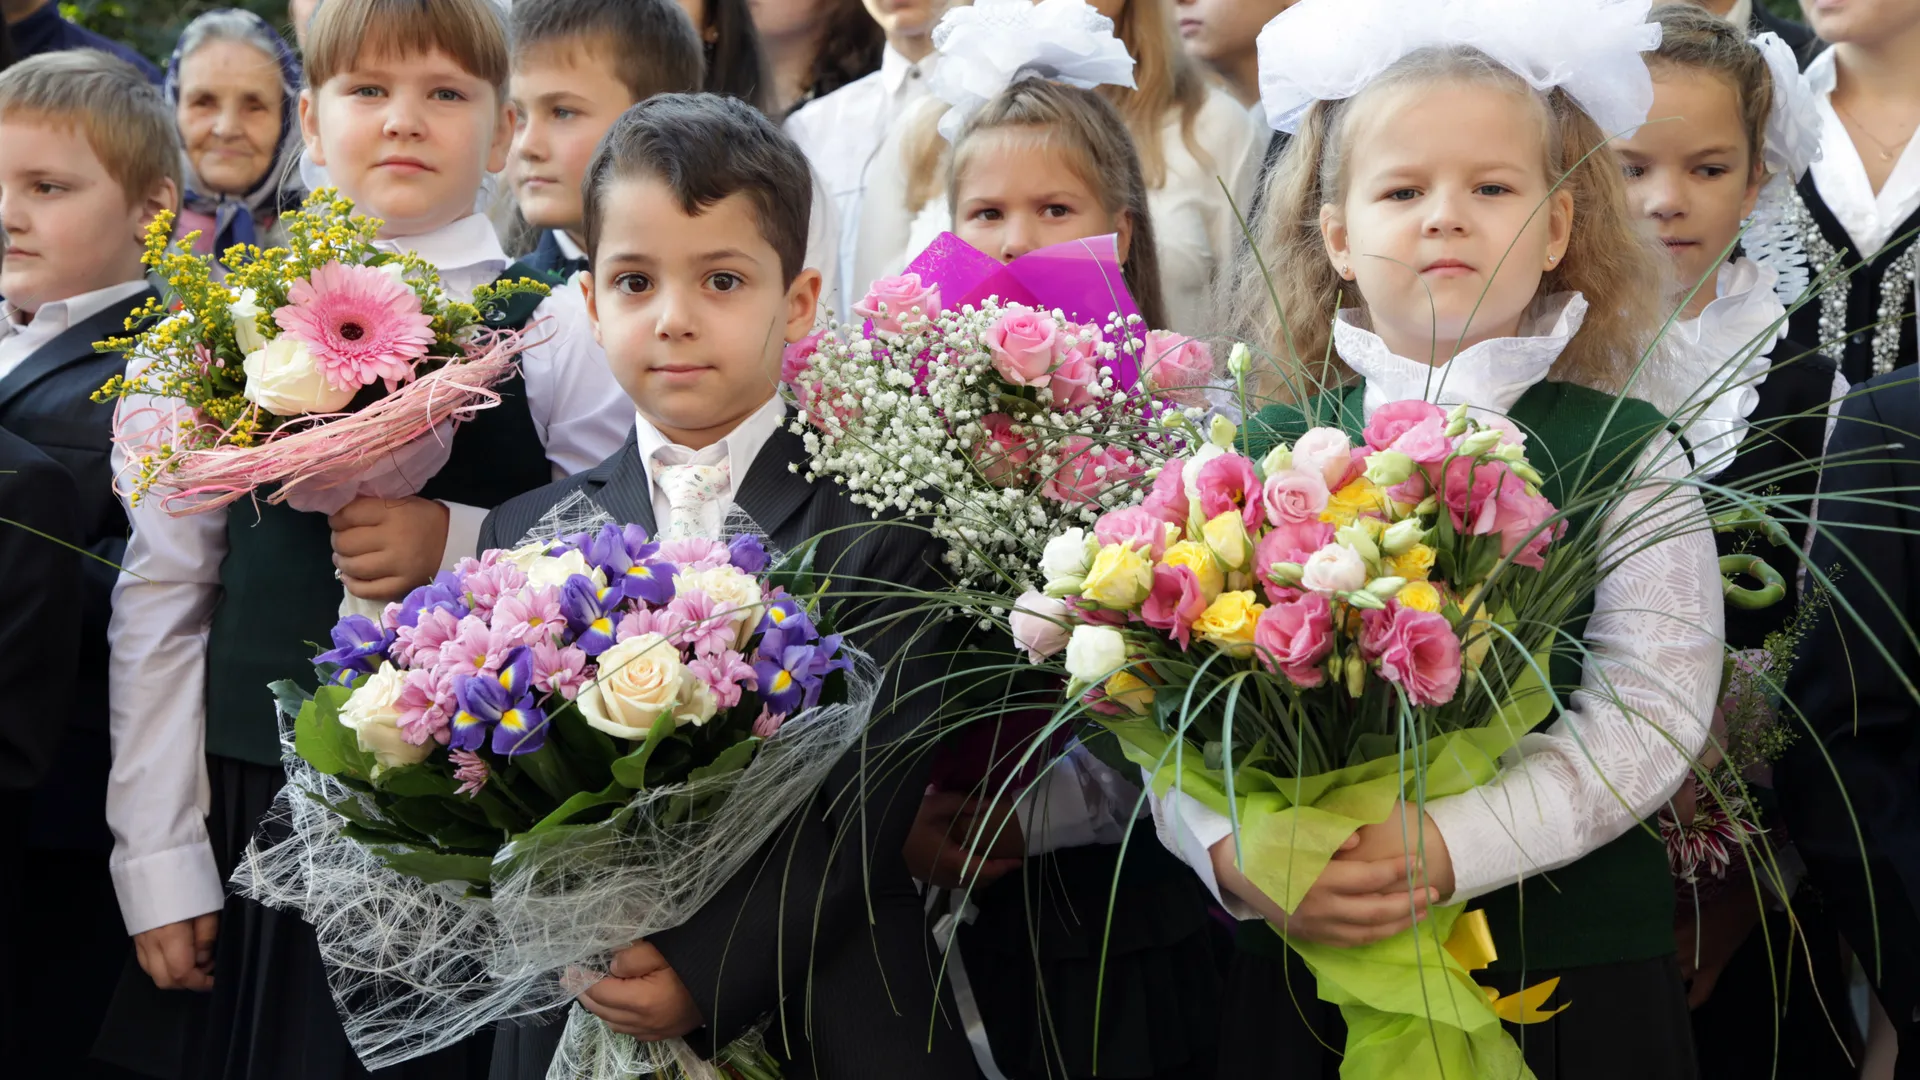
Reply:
x=359 y=323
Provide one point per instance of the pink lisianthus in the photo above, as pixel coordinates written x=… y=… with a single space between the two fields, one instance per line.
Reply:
x=1413 y=427
x=1416 y=650
x=1177 y=366
x=1326 y=451
x=1293 y=542
x=725 y=673
x=1293 y=638
x=1002 y=455
x=1517 y=516
x=1485 y=498
x=530 y=616
x=1174 y=602
x=1135 y=526
x=426 y=704
x=704 y=632
x=1025 y=344
x=1294 y=497
x=1087 y=470
x=1075 y=373
x=486 y=585
x=1039 y=624
x=899 y=295
x=1168 y=499
x=694 y=553
x=1228 y=482
x=419 y=645
x=558 y=670
x=359 y=324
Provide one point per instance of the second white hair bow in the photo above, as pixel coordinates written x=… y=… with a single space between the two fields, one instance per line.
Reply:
x=986 y=47
x=1793 y=128
x=1329 y=50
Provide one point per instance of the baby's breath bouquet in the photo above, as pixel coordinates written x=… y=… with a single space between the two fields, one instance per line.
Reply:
x=1001 y=422
x=328 y=367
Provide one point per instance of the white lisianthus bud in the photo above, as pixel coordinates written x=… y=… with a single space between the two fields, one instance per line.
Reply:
x=1457 y=421
x=245 y=310
x=283 y=379
x=1428 y=506
x=1335 y=568
x=1386 y=588
x=1220 y=432
x=1360 y=540
x=1278 y=460
x=1361 y=598
x=1287 y=573
x=1095 y=652
x=1356 y=675
x=1526 y=472
x=1239 y=359
x=1401 y=536
x=1388 y=467
x=1480 y=442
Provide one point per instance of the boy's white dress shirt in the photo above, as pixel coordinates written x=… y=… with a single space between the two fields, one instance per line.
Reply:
x=20 y=338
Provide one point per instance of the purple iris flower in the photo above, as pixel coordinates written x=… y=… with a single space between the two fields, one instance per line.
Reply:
x=825 y=661
x=626 y=556
x=445 y=591
x=502 y=701
x=784 y=684
x=747 y=553
x=359 y=644
x=784 y=623
x=591 y=612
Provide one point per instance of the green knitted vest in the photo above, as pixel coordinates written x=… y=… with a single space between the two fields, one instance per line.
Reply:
x=279 y=598
x=1616 y=904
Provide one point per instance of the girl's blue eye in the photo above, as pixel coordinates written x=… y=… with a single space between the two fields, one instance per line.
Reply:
x=564 y=114
x=632 y=284
x=1634 y=172
x=1403 y=194
x=448 y=95
x=725 y=282
x=1491 y=189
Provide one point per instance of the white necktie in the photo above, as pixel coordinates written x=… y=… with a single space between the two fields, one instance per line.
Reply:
x=690 y=489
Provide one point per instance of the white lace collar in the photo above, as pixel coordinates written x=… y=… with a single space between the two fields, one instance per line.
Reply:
x=1489 y=376
x=1700 y=381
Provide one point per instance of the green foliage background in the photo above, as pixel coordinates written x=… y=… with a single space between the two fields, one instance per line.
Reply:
x=152 y=26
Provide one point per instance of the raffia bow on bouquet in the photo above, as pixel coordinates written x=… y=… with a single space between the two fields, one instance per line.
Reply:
x=543 y=756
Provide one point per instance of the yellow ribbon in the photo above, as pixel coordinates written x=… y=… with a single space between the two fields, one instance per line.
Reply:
x=1471 y=943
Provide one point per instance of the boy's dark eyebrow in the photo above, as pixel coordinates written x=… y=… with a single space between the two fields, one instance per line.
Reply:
x=627 y=258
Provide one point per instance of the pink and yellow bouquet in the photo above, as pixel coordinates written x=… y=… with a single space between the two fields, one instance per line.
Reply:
x=1305 y=641
x=328 y=367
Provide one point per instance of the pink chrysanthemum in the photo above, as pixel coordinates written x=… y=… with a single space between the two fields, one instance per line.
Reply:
x=472 y=772
x=359 y=323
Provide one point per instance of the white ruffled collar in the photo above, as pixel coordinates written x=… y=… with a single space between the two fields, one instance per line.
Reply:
x=1489 y=376
x=1700 y=355
x=1745 y=307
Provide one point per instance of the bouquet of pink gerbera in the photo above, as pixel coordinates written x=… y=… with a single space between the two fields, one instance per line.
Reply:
x=538 y=758
x=327 y=367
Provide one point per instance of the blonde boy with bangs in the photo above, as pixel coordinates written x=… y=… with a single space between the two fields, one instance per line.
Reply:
x=88 y=157
x=405 y=112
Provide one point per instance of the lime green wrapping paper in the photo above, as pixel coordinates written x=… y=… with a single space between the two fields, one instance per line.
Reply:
x=1412 y=1011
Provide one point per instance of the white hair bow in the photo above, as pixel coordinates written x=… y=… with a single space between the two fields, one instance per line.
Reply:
x=990 y=45
x=1793 y=129
x=1329 y=50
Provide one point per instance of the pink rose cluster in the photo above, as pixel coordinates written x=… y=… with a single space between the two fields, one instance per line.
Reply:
x=1033 y=349
x=1177 y=366
x=892 y=303
x=1483 y=495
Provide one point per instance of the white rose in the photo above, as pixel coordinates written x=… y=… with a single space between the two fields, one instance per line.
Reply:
x=283 y=379
x=554 y=570
x=1066 y=560
x=246 y=322
x=1326 y=451
x=373 y=714
x=640 y=679
x=697 y=703
x=1095 y=652
x=1333 y=569
x=735 y=596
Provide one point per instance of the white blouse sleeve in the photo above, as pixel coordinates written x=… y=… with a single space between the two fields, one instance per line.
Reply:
x=1641 y=714
x=581 y=412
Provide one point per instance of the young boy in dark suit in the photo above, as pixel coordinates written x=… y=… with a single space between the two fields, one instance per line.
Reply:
x=88 y=156
x=696 y=222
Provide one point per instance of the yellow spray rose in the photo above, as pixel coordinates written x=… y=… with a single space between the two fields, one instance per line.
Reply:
x=1414 y=564
x=1195 y=557
x=1347 y=504
x=1130 y=691
x=1119 y=578
x=1420 y=596
x=1228 y=622
x=1226 y=535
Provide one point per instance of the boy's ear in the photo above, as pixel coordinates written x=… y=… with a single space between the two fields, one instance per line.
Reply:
x=803 y=299
x=502 y=139
x=310 y=128
x=164 y=196
x=593 y=308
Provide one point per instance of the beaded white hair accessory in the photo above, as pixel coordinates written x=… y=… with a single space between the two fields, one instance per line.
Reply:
x=988 y=46
x=1793 y=145
x=1329 y=50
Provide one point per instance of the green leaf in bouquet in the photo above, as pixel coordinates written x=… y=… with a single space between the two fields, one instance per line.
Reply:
x=372 y=838
x=290 y=696
x=324 y=742
x=731 y=760
x=365 y=827
x=549 y=770
x=448 y=828
x=433 y=867
x=416 y=780
x=794 y=571
x=589 y=751
x=613 y=794
x=632 y=769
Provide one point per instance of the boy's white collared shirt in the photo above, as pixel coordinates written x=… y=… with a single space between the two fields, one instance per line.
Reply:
x=157 y=794
x=20 y=339
x=736 y=452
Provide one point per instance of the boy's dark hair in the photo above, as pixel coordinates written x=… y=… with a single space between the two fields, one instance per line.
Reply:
x=706 y=147
x=651 y=43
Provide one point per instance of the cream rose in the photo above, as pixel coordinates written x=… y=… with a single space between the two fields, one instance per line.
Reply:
x=735 y=596
x=641 y=679
x=246 y=313
x=1095 y=652
x=552 y=571
x=373 y=714
x=283 y=379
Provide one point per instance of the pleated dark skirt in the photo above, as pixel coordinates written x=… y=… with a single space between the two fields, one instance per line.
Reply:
x=1627 y=1021
x=1033 y=959
x=270 y=1015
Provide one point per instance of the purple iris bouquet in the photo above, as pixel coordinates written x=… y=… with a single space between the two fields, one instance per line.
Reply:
x=543 y=755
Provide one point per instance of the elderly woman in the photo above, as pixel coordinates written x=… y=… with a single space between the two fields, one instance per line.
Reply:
x=235 y=87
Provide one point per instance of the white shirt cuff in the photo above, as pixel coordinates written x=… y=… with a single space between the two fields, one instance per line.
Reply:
x=463 y=533
x=1189 y=828
x=167 y=887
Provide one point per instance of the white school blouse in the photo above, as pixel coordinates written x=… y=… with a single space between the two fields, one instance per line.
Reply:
x=1655 y=638
x=1196 y=221
x=157 y=793
x=1870 y=219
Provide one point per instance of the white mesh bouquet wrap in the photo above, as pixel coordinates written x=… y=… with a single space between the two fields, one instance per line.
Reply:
x=1329 y=50
x=987 y=46
x=415 y=967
